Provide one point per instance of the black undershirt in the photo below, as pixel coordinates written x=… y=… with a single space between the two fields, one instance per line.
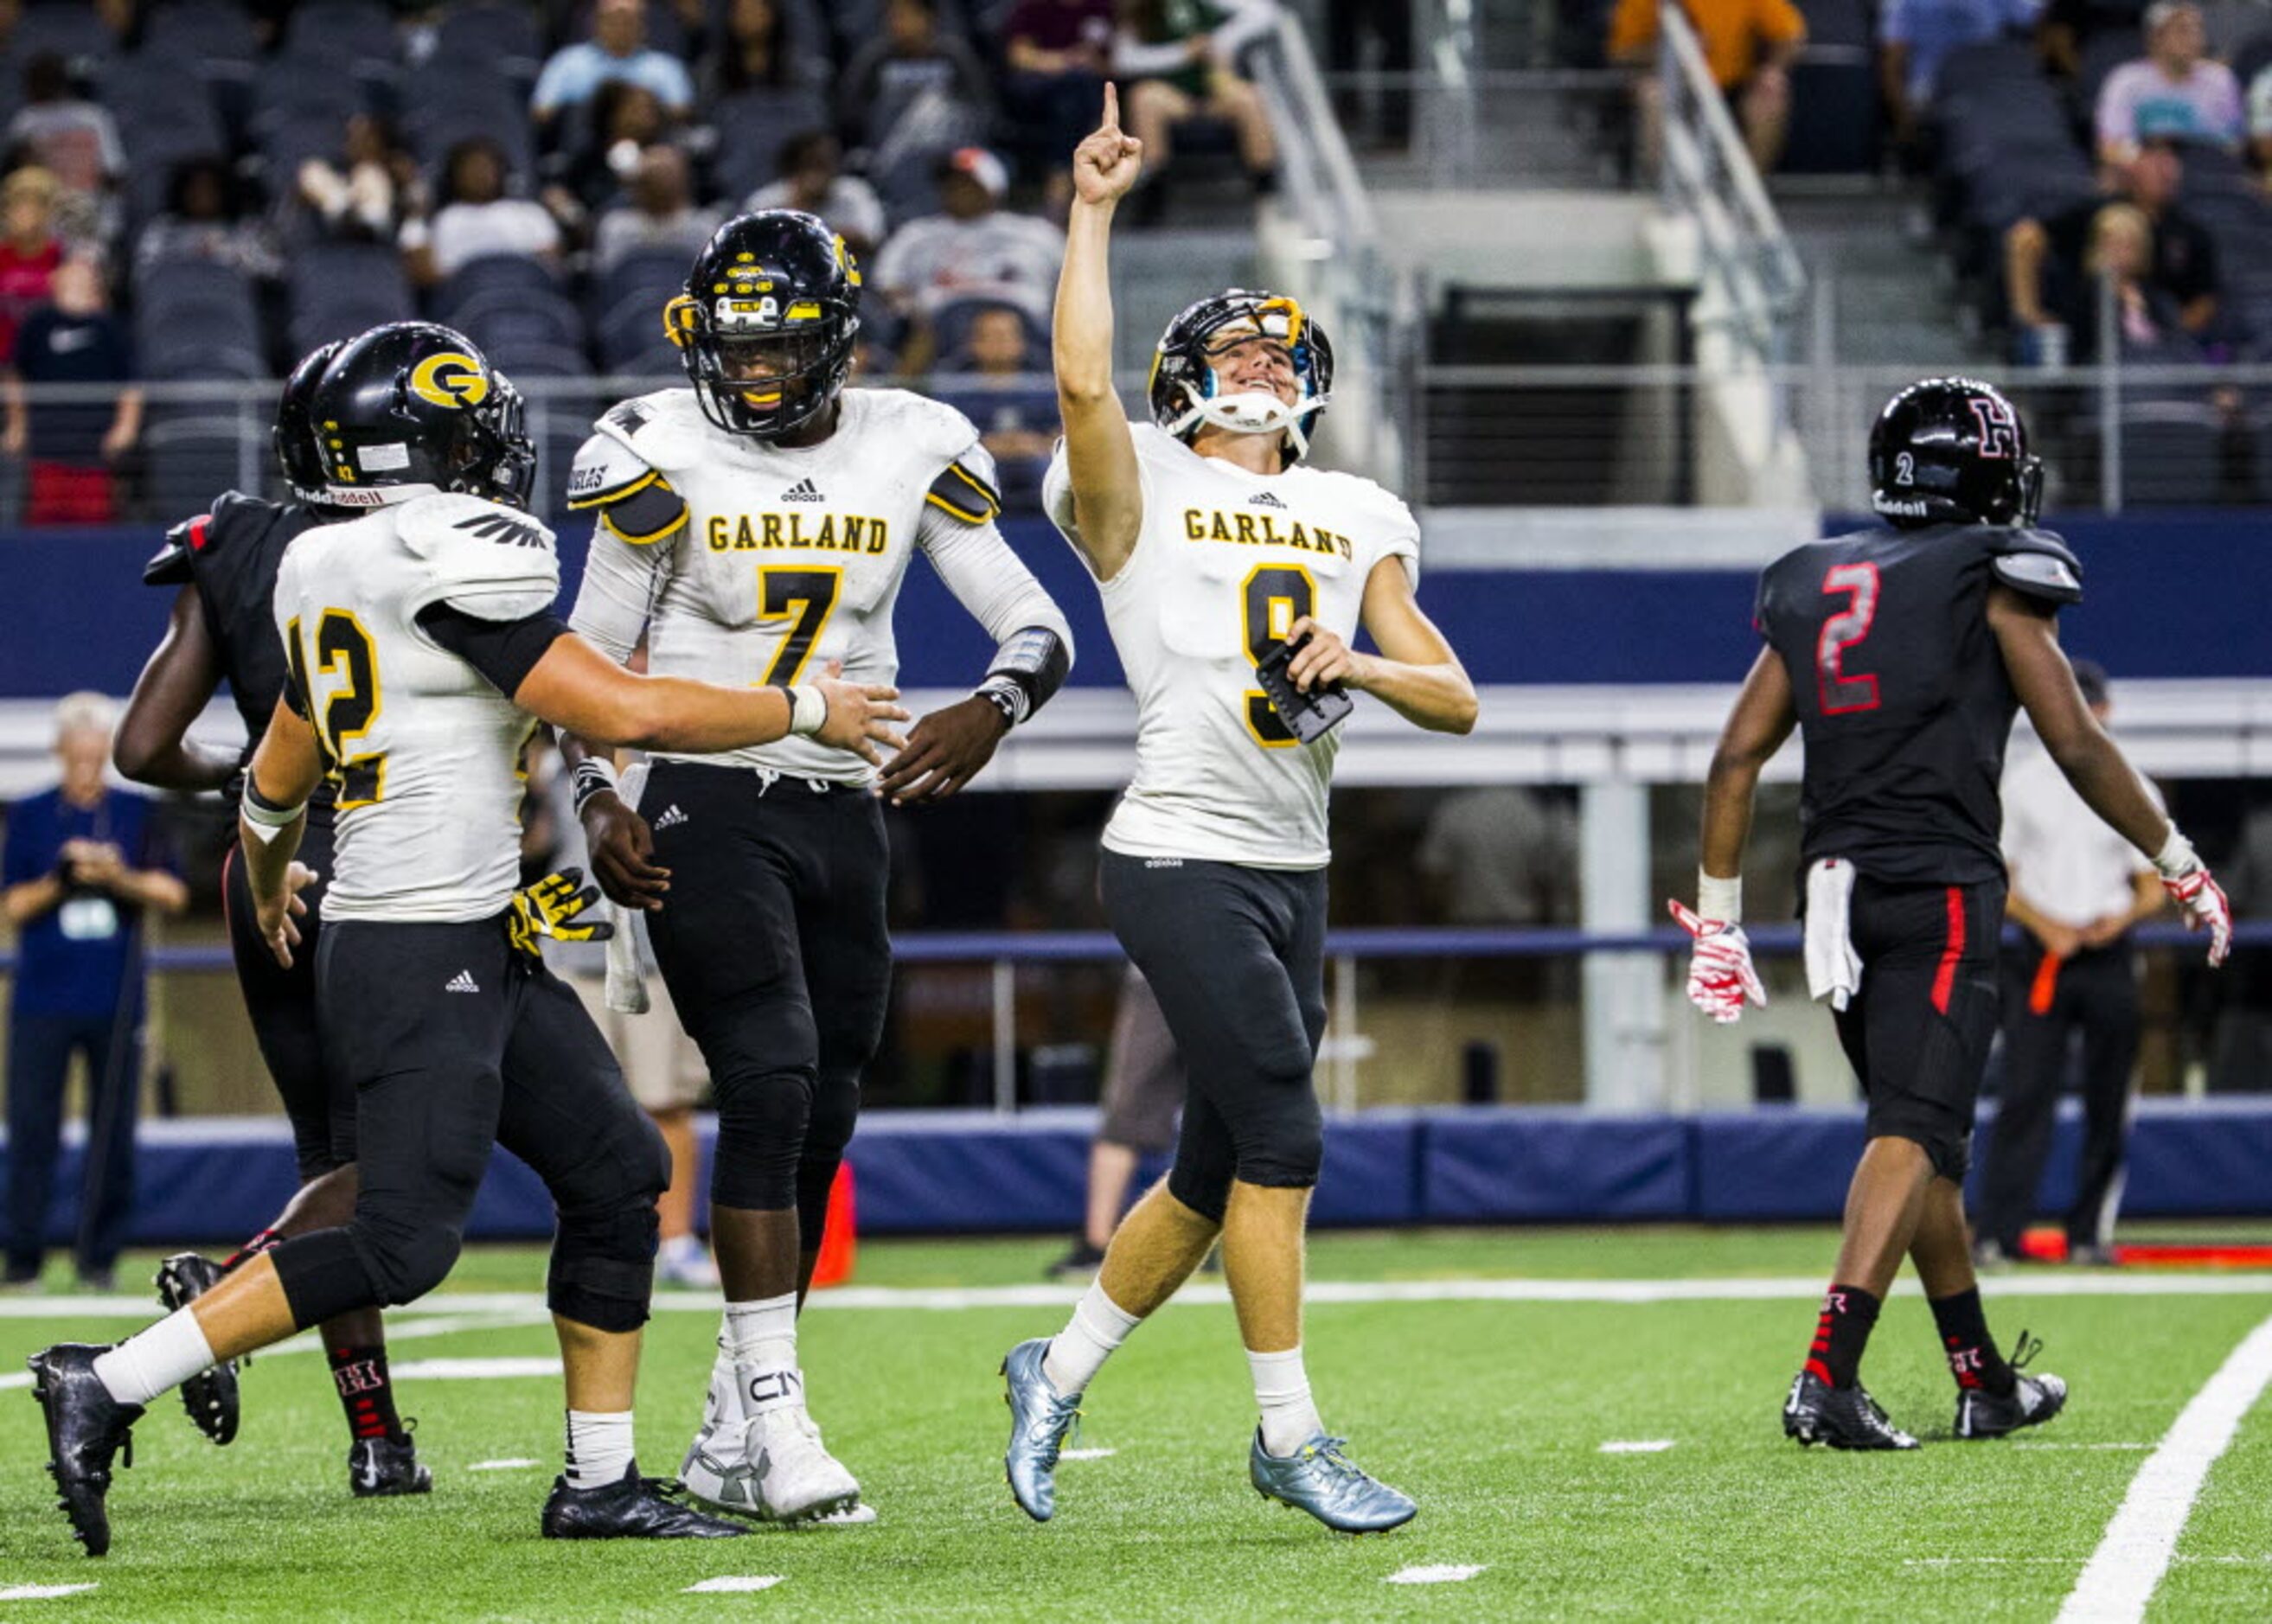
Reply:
x=503 y=652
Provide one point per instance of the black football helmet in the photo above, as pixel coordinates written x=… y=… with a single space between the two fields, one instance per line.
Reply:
x=1183 y=390
x=766 y=326
x=293 y=437
x=411 y=408
x=1952 y=452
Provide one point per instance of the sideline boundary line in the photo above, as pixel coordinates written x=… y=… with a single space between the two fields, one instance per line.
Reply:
x=943 y=1300
x=2123 y=1574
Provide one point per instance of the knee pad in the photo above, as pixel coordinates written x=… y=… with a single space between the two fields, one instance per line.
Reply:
x=602 y=1271
x=763 y=1120
x=323 y=1276
x=1282 y=1135
x=404 y=1261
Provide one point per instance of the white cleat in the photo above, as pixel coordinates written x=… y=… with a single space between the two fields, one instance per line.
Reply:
x=793 y=1477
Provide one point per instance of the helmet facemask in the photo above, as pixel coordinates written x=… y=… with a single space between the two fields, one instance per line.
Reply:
x=759 y=373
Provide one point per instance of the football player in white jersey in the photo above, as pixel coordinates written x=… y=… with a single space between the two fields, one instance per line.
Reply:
x=1218 y=552
x=749 y=524
x=422 y=652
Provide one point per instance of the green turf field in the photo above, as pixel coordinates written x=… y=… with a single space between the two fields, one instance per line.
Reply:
x=1493 y=1413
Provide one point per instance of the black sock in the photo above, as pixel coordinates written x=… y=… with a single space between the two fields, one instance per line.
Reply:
x=365 y=1392
x=1972 y=1356
x=1840 y=1334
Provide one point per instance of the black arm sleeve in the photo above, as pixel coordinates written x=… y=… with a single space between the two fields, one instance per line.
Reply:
x=503 y=652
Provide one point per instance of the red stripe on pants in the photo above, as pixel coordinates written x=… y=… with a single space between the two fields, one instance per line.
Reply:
x=1944 y=979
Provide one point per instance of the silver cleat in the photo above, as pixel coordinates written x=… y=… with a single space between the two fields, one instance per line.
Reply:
x=1319 y=1479
x=1040 y=1418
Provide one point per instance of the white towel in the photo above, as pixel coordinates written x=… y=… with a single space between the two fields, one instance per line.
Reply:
x=1833 y=967
x=626 y=988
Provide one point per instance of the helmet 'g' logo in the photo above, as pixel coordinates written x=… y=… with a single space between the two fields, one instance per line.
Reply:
x=451 y=379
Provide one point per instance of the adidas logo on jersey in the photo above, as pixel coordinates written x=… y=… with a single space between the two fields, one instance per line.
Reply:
x=503 y=529
x=462 y=982
x=803 y=490
x=1263 y=499
x=671 y=818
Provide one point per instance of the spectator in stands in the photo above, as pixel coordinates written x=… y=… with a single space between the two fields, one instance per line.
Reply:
x=995 y=378
x=813 y=179
x=914 y=89
x=758 y=49
x=477 y=218
x=29 y=249
x=1748 y=46
x=617 y=50
x=72 y=446
x=1178 y=60
x=369 y=192
x=1914 y=36
x=81 y=864
x=205 y=221
x=1058 y=53
x=2168 y=282
x=972 y=248
x=2172 y=93
x=74 y=140
x=626 y=119
x=660 y=212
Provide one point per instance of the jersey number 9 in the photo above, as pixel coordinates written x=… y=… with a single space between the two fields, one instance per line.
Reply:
x=1277 y=596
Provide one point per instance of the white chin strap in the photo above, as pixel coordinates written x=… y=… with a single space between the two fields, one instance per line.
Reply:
x=1255 y=410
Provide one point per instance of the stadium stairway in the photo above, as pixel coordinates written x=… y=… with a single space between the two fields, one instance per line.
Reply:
x=1888 y=291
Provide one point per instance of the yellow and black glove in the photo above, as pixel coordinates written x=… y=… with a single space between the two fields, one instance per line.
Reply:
x=556 y=907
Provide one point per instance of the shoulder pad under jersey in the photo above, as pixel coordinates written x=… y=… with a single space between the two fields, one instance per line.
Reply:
x=2039 y=565
x=635 y=500
x=495 y=563
x=666 y=430
x=966 y=488
x=916 y=423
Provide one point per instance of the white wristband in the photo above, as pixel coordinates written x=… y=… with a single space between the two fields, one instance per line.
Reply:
x=808 y=709
x=1720 y=899
x=2177 y=856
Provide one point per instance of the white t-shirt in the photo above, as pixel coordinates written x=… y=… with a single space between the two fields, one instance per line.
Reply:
x=2066 y=860
x=1225 y=562
x=1013 y=257
x=462 y=232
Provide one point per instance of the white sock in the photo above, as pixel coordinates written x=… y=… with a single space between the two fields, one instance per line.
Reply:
x=1281 y=1387
x=152 y=1361
x=599 y=1448
x=1078 y=1352
x=761 y=1337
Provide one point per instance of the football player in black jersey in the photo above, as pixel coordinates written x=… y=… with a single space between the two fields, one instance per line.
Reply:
x=1902 y=654
x=223 y=565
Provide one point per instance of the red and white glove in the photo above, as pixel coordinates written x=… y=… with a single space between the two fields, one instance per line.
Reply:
x=2196 y=892
x=1720 y=972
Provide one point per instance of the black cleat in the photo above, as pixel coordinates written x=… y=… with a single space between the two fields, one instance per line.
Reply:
x=381 y=1467
x=632 y=1508
x=2032 y=1401
x=85 y=1427
x=211 y=1396
x=1844 y=1418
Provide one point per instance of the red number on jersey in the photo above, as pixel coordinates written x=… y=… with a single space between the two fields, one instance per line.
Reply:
x=1841 y=691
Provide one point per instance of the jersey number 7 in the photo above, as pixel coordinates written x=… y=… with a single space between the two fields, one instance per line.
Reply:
x=344 y=650
x=805 y=599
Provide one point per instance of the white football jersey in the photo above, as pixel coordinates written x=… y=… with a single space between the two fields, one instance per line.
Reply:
x=427 y=754
x=1225 y=562
x=745 y=562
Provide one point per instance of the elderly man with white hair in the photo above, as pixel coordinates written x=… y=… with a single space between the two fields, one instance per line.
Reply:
x=81 y=864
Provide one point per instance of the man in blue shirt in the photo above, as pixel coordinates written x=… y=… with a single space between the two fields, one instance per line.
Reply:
x=80 y=864
x=616 y=50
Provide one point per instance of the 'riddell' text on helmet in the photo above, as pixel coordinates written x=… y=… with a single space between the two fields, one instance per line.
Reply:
x=412 y=408
x=1183 y=388
x=1952 y=452
x=766 y=323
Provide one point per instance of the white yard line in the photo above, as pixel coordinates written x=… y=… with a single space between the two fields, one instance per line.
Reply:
x=1436 y=1573
x=2121 y=1576
x=520 y=1314
x=42 y=1592
x=474 y=1369
x=1637 y=1446
x=734 y=1581
x=1088 y=1455
x=516 y=1464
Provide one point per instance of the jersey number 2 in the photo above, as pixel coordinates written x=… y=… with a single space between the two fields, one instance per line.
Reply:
x=1842 y=690
x=1276 y=596
x=344 y=649
x=804 y=598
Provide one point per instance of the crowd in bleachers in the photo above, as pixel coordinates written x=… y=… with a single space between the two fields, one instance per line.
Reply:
x=246 y=179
